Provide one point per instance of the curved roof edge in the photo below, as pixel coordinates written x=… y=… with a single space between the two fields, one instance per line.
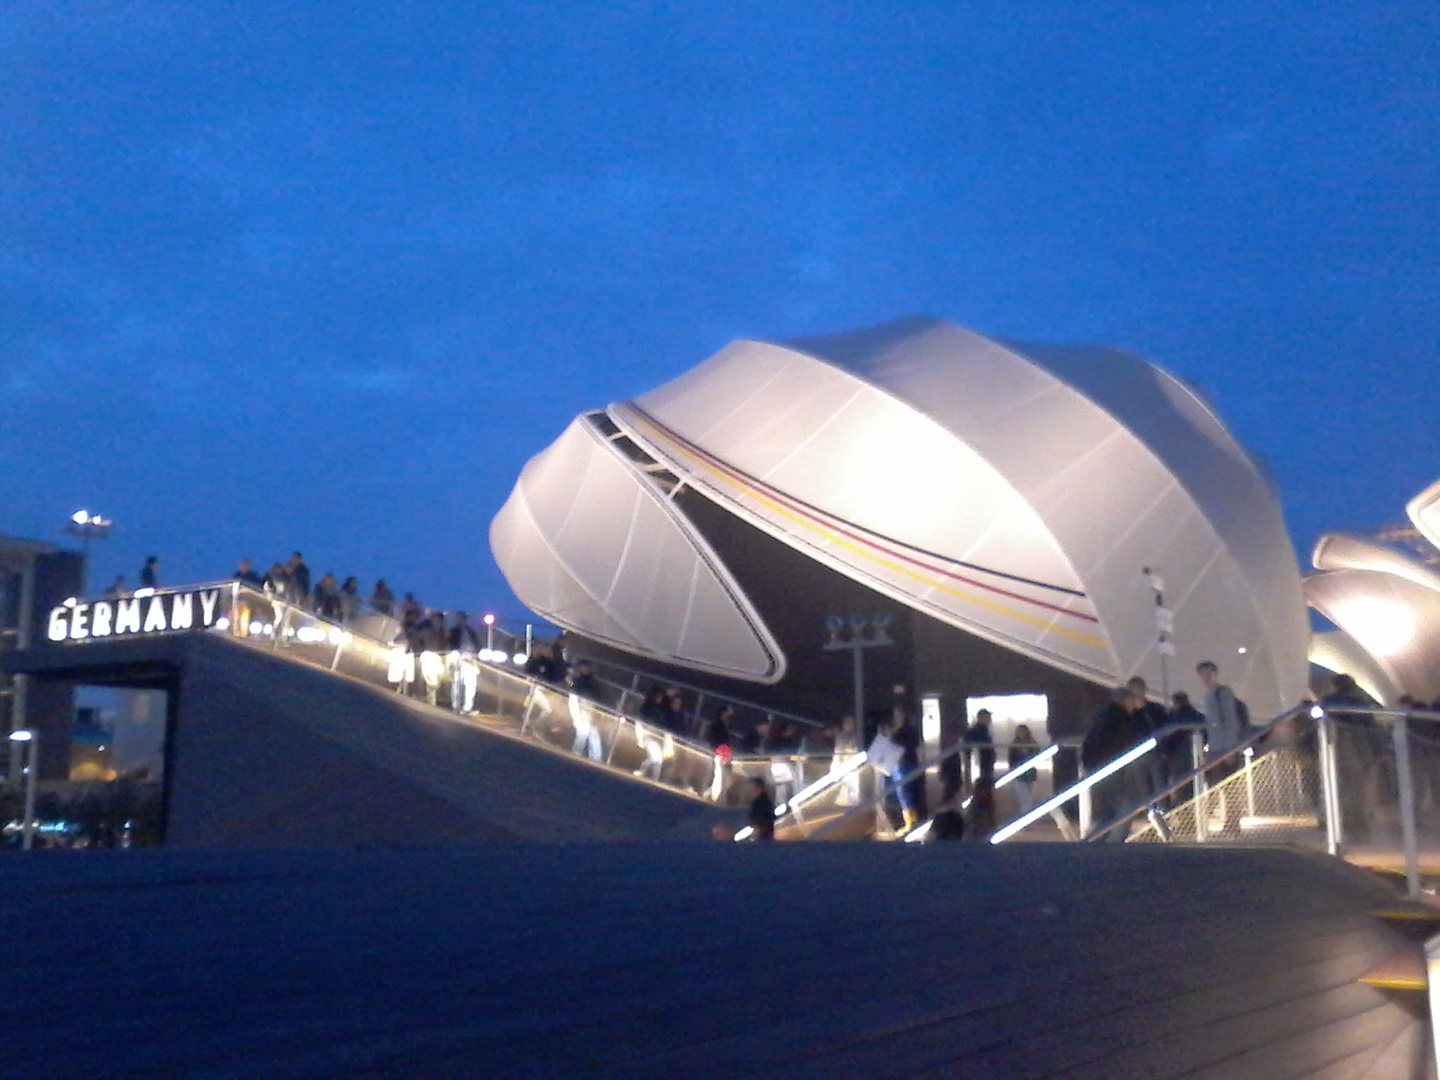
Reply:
x=517 y=527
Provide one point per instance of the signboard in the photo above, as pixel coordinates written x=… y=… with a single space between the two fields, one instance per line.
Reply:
x=129 y=616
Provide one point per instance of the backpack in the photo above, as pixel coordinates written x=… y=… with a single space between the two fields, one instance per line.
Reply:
x=1242 y=711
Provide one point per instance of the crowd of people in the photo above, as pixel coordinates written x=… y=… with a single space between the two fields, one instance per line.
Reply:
x=433 y=648
x=290 y=581
x=329 y=597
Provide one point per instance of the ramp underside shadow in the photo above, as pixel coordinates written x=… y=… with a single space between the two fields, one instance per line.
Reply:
x=265 y=751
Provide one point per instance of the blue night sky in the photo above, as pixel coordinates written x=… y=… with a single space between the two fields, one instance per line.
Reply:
x=324 y=276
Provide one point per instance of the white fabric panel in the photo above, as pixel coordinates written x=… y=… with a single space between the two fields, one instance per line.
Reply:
x=588 y=541
x=1395 y=620
x=1344 y=551
x=1075 y=467
x=1123 y=464
x=858 y=457
x=1424 y=513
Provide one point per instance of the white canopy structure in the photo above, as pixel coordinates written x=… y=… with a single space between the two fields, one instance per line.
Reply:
x=1385 y=599
x=1016 y=492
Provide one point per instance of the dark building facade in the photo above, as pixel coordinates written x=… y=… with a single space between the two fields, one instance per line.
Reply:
x=35 y=577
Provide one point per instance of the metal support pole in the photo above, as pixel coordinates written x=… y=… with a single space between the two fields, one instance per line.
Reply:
x=859 y=653
x=529 y=706
x=1087 y=809
x=1197 y=786
x=280 y=624
x=1329 y=792
x=30 y=770
x=1249 y=781
x=1407 y=806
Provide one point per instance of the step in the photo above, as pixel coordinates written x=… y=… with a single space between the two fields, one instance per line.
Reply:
x=1405 y=970
x=1410 y=911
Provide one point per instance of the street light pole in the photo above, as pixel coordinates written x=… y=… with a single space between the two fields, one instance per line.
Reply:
x=1164 y=629
x=88 y=527
x=32 y=739
x=858 y=633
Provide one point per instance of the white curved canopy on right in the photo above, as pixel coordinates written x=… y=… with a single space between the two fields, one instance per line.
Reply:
x=1386 y=599
x=1424 y=513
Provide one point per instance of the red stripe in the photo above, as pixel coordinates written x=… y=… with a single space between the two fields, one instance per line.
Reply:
x=804 y=511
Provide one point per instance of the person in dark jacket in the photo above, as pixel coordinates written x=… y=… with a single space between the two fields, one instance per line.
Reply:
x=1150 y=718
x=582 y=681
x=299 y=579
x=150 y=573
x=762 y=811
x=349 y=598
x=1180 y=759
x=1113 y=731
x=246 y=575
x=382 y=599
x=326 y=599
x=978 y=736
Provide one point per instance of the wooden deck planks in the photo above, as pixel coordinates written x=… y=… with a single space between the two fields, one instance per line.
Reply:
x=723 y=961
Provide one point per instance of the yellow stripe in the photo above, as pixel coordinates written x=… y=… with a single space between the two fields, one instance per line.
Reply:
x=783 y=511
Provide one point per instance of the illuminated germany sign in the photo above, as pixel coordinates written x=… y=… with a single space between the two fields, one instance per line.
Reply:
x=127 y=616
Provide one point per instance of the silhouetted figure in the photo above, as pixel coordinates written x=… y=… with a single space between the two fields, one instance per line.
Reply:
x=382 y=599
x=1359 y=744
x=246 y=575
x=910 y=782
x=762 y=811
x=299 y=575
x=326 y=599
x=150 y=573
x=1113 y=731
x=349 y=598
x=464 y=647
x=1023 y=747
x=978 y=737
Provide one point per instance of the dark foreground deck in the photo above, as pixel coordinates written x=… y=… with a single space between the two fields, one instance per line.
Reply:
x=700 y=961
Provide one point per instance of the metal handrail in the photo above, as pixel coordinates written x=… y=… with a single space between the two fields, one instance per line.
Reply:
x=1147 y=745
x=1044 y=752
x=1257 y=735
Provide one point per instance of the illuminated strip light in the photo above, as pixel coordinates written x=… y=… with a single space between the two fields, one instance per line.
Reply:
x=1137 y=751
x=916 y=835
x=1034 y=763
x=832 y=777
x=836 y=536
x=805 y=794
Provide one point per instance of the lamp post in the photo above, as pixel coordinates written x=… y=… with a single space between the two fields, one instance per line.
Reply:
x=88 y=527
x=32 y=740
x=858 y=633
x=1164 y=629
